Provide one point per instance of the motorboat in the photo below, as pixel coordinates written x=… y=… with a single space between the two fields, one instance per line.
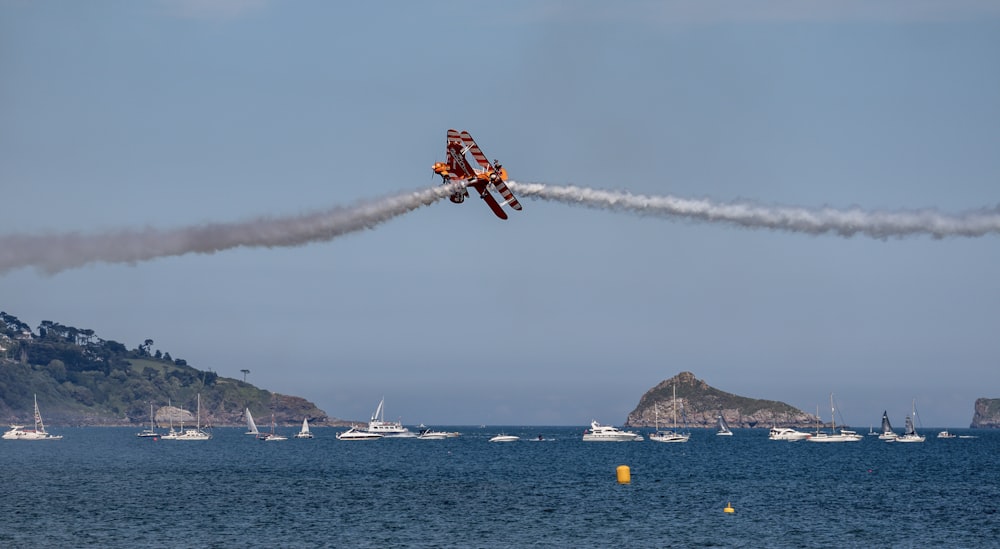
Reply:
x=946 y=434
x=380 y=426
x=786 y=433
x=505 y=438
x=607 y=433
x=429 y=434
x=18 y=432
x=305 y=432
x=358 y=434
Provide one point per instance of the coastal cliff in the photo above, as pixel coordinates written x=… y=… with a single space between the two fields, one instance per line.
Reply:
x=701 y=404
x=987 y=414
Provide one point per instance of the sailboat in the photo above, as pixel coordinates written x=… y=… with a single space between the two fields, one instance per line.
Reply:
x=18 y=432
x=887 y=432
x=304 y=433
x=668 y=436
x=196 y=433
x=910 y=434
x=251 y=426
x=272 y=436
x=843 y=436
x=151 y=432
x=723 y=428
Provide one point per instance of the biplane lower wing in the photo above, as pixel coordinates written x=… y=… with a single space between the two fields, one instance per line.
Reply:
x=490 y=201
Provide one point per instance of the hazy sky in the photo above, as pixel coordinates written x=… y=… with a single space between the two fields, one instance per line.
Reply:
x=122 y=116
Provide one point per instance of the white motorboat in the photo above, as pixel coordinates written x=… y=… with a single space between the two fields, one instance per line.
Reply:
x=18 y=432
x=358 y=434
x=607 y=433
x=785 y=433
x=909 y=433
x=505 y=438
x=428 y=434
x=946 y=434
x=380 y=426
x=304 y=432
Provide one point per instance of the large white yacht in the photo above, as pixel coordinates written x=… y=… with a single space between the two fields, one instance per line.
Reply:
x=601 y=433
x=378 y=425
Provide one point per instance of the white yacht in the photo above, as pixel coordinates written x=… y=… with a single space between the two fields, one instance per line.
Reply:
x=844 y=435
x=272 y=436
x=785 y=433
x=506 y=438
x=151 y=432
x=18 y=432
x=945 y=434
x=251 y=425
x=428 y=434
x=887 y=432
x=378 y=425
x=192 y=434
x=358 y=434
x=669 y=435
x=602 y=433
x=723 y=429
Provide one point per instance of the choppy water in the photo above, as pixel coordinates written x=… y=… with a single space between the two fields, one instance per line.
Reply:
x=104 y=487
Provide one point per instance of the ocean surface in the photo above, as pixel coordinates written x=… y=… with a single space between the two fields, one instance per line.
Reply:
x=104 y=487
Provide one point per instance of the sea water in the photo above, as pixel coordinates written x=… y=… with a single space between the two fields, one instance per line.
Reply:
x=104 y=487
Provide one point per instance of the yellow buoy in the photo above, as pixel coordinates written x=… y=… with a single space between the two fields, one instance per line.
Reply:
x=729 y=508
x=624 y=474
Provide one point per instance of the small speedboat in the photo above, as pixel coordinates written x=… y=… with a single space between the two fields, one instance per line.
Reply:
x=505 y=438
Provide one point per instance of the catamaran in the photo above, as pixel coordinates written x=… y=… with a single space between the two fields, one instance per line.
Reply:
x=193 y=434
x=18 y=432
x=304 y=433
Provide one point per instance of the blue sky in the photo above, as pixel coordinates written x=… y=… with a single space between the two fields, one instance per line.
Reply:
x=127 y=115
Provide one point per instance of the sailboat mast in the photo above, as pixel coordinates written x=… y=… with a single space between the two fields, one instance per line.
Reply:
x=675 y=406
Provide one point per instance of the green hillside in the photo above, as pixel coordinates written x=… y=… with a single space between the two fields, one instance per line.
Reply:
x=82 y=379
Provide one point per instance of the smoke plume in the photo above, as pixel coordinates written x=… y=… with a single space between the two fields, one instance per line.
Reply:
x=846 y=223
x=57 y=252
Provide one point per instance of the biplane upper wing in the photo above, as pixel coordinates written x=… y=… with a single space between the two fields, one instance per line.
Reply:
x=458 y=164
x=481 y=159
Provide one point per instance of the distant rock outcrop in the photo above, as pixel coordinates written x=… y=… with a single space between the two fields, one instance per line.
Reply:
x=987 y=415
x=701 y=404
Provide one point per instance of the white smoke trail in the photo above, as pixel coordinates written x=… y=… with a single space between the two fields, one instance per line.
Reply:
x=846 y=223
x=57 y=252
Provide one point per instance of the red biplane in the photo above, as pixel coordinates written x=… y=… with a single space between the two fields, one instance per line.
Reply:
x=491 y=177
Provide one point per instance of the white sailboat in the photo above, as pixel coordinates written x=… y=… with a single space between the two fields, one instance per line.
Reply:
x=887 y=432
x=910 y=434
x=196 y=433
x=724 y=429
x=844 y=435
x=251 y=426
x=18 y=432
x=304 y=433
x=151 y=432
x=668 y=436
x=272 y=436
